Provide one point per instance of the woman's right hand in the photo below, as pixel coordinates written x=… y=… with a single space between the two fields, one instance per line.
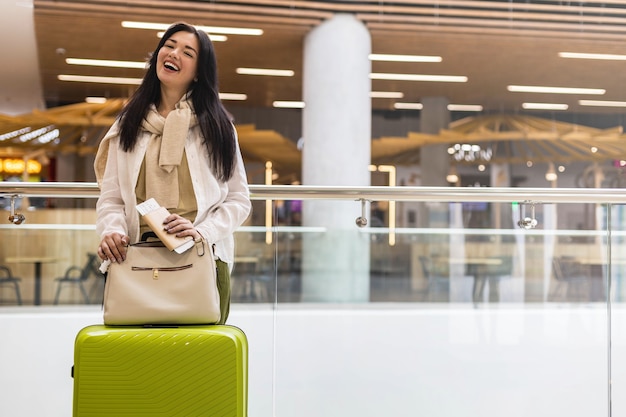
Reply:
x=113 y=247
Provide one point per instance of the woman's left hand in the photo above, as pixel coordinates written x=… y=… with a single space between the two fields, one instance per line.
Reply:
x=182 y=227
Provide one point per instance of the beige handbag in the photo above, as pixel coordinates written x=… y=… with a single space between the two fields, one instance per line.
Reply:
x=157 y=286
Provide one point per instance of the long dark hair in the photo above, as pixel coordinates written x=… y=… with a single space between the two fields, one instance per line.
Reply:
x=213 y=119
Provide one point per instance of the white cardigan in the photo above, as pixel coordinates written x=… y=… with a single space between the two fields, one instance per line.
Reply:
x=222 y=207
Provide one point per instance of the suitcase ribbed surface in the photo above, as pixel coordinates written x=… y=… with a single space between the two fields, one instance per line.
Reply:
x=187 y=371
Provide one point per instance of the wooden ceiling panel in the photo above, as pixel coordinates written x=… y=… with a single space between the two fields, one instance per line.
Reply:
x=493 y=43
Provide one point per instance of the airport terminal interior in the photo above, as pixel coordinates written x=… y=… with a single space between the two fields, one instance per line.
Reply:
x=438 y=216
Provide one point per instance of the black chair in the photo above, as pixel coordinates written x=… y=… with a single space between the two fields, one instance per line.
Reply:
x=76 y=275
x=7 y=278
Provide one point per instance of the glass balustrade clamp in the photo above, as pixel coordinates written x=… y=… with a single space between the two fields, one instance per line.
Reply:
x=361 y=221
x=527 y=222
x=15 y=218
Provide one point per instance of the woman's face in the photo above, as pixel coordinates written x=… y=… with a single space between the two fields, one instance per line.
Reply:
x=177 y=60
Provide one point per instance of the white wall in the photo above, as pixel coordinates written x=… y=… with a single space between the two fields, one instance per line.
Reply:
x=368 y=360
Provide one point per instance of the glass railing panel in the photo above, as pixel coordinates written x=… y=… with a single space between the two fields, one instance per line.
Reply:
x=334 y=310
x=458 y=308
x=436 y=262
x=614 y=274
x=43 y=248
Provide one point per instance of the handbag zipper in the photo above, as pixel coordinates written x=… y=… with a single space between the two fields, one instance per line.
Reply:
x=155 y=271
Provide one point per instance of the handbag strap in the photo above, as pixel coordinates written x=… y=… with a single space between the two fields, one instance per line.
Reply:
x=199 y=245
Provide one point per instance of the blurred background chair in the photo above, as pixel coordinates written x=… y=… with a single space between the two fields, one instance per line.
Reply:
x=254 y=278
x=572 y=280
x=436 y=270
x=7 y=278
x=76 y=275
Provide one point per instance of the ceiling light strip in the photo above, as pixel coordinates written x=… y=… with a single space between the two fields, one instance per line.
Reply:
x=465 y=107
x=99 y=80
x=95 y=100
x=288 y=104
x=404 y=58
x=14 y=133
x=544 y=106
x=408 y=106
x=419 y=77
x=233 y=96
x=451 y=107
x=106 y=63
x=265 y=71
x=213 y=37
x=554 y=90
x=602 y=103
x=209 y=29
x=580 y=55
x=386 y=94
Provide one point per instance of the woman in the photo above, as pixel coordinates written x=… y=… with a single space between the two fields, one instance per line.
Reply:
x=174 y=142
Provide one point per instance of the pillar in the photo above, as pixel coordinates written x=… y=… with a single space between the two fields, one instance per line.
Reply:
x=434 y=159
x=336 y=128
x=20 y=90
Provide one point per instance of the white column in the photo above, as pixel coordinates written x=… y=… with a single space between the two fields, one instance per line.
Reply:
x=20 y=83
x=336 y=129
x=434 y=159
x=500 y=176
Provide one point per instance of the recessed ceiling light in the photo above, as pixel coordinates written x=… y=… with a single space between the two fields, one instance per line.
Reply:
x=578 y=55
x=544 y=106
x=404 y=58
x=554 y=90
x=289 y=104
x=265 y=71
x=419 y=77
x=602 y=103
x=106 y=63
x=100 y=80
x=209 y=29
x=386 y=94
x=408 y=106
x=465 y=107
x=233 y=96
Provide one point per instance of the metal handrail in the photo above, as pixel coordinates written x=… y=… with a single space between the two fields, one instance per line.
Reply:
x=371 y=193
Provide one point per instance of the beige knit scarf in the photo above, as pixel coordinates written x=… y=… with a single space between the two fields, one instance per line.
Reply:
x=165 y=151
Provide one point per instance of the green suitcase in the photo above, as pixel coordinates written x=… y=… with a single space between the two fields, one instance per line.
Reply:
x=182 y=371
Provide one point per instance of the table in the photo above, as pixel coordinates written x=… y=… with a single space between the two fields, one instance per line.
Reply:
x=598 y=290
x=37 y=261
x=478 y=267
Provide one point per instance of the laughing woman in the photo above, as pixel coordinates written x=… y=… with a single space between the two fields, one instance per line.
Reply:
x=174 y=142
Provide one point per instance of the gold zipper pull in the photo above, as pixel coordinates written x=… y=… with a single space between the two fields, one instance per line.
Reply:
x=155 y=273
